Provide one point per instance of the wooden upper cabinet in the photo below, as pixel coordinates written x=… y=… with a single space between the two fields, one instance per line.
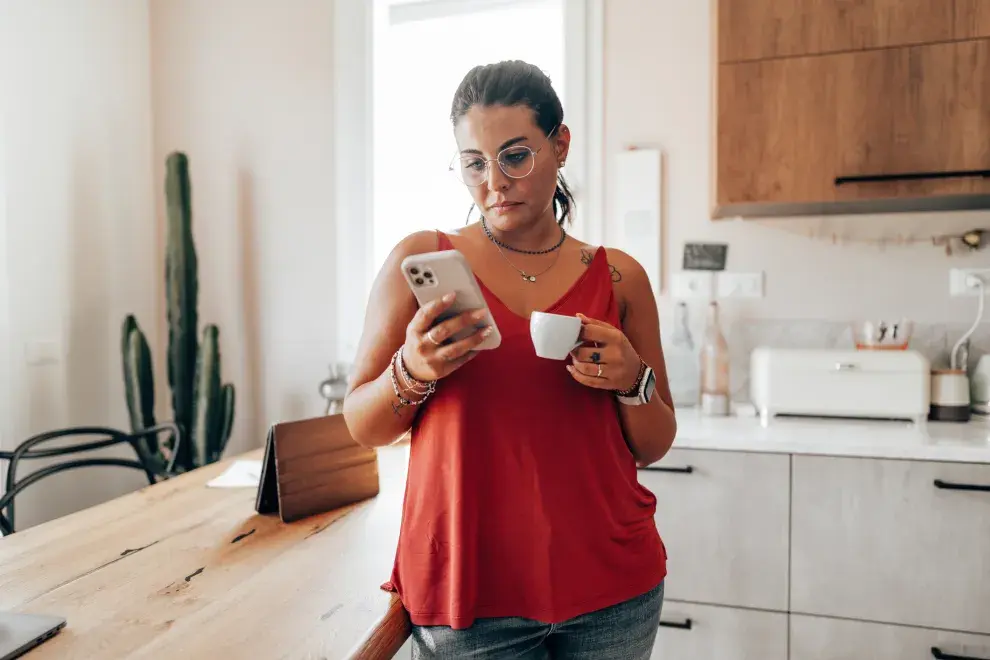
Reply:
x=763 y=29
x=972 y=19
x=923 y=112
x=776 y=131
x=791 y=131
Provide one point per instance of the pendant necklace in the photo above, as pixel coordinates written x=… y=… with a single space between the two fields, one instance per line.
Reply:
x=528 y=277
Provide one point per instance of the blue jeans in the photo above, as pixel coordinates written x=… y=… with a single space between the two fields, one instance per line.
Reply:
x=621 y=632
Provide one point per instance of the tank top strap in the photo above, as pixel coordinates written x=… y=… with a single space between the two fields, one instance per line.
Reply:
x=443 y=241
x=599 y=272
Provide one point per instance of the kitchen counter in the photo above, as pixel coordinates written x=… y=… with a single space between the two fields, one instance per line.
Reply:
x=182 y=570
x=931 y=441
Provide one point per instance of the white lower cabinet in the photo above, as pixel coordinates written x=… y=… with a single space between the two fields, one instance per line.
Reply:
x=895 y=541
x=821 y=638
x=724 y=518
x=689 y=631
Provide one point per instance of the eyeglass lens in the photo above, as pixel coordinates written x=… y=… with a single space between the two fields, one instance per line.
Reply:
x=516 y=162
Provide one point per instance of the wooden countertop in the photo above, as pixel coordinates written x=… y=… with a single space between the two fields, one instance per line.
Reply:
x=180 y=570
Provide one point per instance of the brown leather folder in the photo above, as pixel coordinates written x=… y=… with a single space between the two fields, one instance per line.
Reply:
x=312 y=466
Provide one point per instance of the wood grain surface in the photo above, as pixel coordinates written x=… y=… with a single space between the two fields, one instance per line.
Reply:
x=180 y=570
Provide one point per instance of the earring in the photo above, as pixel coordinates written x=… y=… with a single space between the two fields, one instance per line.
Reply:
x=560 y=164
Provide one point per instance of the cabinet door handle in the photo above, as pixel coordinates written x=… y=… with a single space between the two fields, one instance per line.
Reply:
x=909 y=176
x=687 y=469
x=938 y=654
x=948 y=485
x=683 y=625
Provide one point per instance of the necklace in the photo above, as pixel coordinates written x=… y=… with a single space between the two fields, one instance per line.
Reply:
x=500 y=244
x=528 y=277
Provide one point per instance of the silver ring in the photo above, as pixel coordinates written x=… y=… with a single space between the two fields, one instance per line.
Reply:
x=429 y=335
x=599 y=371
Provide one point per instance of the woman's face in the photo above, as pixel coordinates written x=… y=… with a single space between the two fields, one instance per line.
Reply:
x=508 y=202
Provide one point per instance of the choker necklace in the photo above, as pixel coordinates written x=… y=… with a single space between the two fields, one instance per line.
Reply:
x=500 y=244
x=526 y=276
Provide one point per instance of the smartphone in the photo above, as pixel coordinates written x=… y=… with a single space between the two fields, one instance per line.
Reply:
x=433 y=275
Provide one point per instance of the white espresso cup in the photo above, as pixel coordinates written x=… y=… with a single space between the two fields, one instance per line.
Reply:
x=554 y=335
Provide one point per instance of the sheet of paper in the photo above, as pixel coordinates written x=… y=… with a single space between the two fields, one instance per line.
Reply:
x=637 y=203
x=240 y=474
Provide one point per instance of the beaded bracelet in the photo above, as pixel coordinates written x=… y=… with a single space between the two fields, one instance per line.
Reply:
x=635 y=386
x=407 y=383
x=408 y=377
x=430 y=385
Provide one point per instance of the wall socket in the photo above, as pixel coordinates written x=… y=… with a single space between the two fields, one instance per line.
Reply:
x=739 y=285
x=687 y=284
x=957 y=281
x=708 y=284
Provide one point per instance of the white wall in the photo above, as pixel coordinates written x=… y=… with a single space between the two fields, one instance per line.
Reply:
x=245 y=89
x=658 y=82
x=4 y=304
x=80 y=224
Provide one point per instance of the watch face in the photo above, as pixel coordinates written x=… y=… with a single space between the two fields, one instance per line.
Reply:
x=649 y=386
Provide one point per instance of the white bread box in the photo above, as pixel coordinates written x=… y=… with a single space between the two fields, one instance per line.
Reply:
x=874 y=384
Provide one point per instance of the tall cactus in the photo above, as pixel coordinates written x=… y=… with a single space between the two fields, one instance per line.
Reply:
x=202 y=408
x=206 y=397
x=226 y=417
x=181 y=289
x=139 y=384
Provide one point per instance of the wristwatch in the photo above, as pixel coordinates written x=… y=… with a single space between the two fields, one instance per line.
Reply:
x=642 y=390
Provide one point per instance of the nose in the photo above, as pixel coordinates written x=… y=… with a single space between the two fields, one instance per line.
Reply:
x=497 y=180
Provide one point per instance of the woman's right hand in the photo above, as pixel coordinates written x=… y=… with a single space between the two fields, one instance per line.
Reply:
x=425 y=355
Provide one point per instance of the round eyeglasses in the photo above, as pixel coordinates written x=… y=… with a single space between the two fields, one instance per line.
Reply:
x=516 y=162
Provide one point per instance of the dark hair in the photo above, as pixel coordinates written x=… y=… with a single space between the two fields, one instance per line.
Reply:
x=517 y=83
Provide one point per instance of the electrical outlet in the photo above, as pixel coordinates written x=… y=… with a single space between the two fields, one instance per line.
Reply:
x=692 y=284
x=739 y=285
x=957 y=281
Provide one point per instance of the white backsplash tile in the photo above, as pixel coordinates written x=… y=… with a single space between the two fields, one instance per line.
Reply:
x=934 y=341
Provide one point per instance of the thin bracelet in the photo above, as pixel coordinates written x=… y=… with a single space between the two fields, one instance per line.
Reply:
x=412 y=384
x=414 y=388
x=639 y=381
x=411 y=388
x=403 y=401
x=431 y=385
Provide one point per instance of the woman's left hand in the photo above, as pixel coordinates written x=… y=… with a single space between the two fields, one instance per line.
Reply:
x=607 y=360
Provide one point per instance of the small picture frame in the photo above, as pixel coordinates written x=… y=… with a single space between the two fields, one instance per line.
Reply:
x=705 y=256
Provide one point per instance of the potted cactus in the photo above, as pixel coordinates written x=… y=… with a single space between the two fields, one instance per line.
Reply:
x=202 y=406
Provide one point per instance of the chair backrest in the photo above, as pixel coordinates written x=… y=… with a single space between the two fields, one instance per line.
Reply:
x=153 y=467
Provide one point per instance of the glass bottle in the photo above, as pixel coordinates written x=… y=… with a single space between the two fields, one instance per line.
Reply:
x=714 y=367
x=681 y=358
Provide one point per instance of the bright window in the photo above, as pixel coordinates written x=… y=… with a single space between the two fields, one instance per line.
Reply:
x=422 y=49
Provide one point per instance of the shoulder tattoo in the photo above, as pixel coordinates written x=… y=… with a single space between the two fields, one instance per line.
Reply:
x=587 y=256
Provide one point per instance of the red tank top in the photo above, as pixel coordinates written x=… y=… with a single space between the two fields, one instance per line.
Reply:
x=522 y=497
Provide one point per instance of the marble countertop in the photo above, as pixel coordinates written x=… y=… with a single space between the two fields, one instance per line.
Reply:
x=932 y=441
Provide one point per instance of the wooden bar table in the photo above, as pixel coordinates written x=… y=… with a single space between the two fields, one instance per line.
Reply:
x=181 y=570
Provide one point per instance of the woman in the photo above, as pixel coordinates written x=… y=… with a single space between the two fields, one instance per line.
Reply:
x=525 y=532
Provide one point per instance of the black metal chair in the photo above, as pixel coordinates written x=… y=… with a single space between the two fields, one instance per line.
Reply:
x=152 y=468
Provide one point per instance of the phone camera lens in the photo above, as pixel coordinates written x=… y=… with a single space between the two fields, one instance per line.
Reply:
x=419 y=280
x=428 y=275
x=414 y=270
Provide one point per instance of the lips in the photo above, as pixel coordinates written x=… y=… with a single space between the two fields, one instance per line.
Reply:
x=503 y=207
